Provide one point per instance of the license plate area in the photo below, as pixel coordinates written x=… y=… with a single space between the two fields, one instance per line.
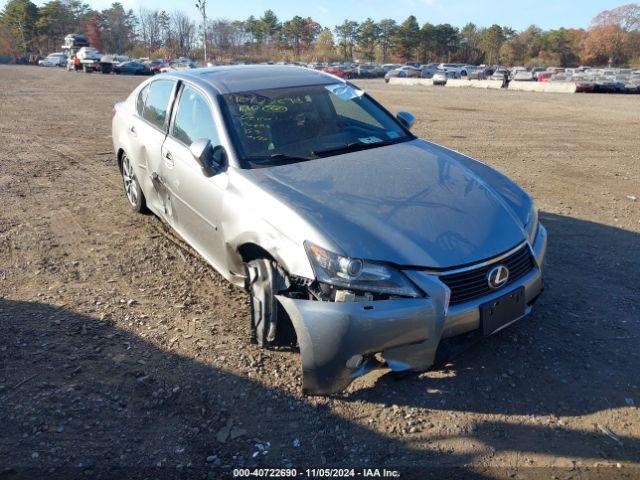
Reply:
x=501 y=311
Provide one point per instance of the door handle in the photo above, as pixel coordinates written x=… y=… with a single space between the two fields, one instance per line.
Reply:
x=169 y=159
x=133 y=132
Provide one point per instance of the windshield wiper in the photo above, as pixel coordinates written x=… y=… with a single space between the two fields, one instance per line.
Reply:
x=278 y=158
x=354 y=146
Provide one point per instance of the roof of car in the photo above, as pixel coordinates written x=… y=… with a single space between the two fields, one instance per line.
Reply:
x=243 y=78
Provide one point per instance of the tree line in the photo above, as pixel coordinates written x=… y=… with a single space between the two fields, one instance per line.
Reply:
x=26 y=29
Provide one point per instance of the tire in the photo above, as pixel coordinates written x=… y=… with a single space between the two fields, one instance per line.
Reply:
x=270 y=324
x=132 y=190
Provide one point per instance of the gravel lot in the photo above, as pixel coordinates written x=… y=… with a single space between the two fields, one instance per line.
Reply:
x=121 y=349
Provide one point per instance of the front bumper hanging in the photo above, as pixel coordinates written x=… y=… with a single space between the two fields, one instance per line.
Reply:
x=337 y=340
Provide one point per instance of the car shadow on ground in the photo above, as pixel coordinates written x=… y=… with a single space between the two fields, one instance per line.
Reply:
x=576 y=355
x=81 y=398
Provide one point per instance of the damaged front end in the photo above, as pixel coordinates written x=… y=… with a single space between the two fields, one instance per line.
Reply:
x=345 y=330
x=338 y=340
x=343 y=335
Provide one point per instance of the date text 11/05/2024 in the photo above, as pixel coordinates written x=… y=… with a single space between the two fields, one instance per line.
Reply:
x=316 y=473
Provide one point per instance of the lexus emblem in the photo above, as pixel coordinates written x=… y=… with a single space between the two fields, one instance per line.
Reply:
x=498 y=276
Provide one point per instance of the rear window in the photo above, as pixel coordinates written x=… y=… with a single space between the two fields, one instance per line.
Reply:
x=157 y=102
x=142 y=96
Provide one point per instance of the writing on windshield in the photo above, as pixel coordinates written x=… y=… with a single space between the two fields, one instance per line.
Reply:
x=299 y=122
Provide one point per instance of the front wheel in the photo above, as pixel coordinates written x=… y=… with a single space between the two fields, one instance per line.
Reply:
x=270 y=323
x=132 y=189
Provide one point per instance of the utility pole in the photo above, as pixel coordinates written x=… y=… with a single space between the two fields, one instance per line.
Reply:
x=201 y=5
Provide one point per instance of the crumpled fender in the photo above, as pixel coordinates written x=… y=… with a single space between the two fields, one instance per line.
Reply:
x=330 y=334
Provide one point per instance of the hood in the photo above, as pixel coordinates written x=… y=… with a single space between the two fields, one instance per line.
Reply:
x=411 y=204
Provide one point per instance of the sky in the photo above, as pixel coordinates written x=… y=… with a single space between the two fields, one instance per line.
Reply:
x=516 y=14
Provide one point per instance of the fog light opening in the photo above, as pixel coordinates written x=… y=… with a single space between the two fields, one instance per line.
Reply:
x=355 y=362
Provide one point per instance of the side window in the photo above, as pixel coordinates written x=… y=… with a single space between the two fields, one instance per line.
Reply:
x=193 y=119
x=142 y=96
x=157 y=104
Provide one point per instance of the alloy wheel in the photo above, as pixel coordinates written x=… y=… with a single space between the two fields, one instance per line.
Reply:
x=130 y=182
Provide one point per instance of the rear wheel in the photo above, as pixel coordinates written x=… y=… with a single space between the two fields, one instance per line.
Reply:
x=132 y=189
x=270 y=323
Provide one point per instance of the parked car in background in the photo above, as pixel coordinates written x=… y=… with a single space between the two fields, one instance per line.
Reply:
x=387 y=67
x=405 y=71
x=187 y=61
x=91 y=60
x=480 y=73
x=428 y=70
x=54 y=60
x=522 y=75
x=86 y=53
x=500 y=74
x=440 y=77
x=585 y=86
x=339 y=70
x=466 y=70
x=453 y=69
x=120 y=58
x=177 y=65
x=132 y=68
x=366 y=262
x=545 y=76
x=155 y=65
x=555 y=70
x=368 y=70
x=535 y=71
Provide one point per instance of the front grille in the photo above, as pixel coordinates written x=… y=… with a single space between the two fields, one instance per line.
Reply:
x=472 y=284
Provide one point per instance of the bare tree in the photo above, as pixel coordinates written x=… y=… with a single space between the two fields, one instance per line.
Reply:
x=202 y=7
x=627 y=17
x=228 y=36
x=150 y=26
x=184 y=30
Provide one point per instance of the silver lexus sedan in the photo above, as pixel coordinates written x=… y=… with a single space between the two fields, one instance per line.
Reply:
x=363 y=244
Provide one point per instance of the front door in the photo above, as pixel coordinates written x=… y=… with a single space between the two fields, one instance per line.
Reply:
x=195 y=199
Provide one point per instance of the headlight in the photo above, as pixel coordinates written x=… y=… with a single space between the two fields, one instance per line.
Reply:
x=531 y=223
x=357 y=274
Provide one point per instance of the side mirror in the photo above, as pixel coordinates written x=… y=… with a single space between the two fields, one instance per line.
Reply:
x=210 y=158
x=406 y=119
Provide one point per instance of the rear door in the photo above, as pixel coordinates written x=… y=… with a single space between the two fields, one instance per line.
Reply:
x=195 y=199
x=148 y=132
x=136 y=149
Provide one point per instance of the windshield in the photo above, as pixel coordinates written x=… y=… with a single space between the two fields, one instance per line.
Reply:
x=272 y=127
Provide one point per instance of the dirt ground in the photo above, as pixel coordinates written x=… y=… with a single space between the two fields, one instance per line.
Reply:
x=123 y=355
